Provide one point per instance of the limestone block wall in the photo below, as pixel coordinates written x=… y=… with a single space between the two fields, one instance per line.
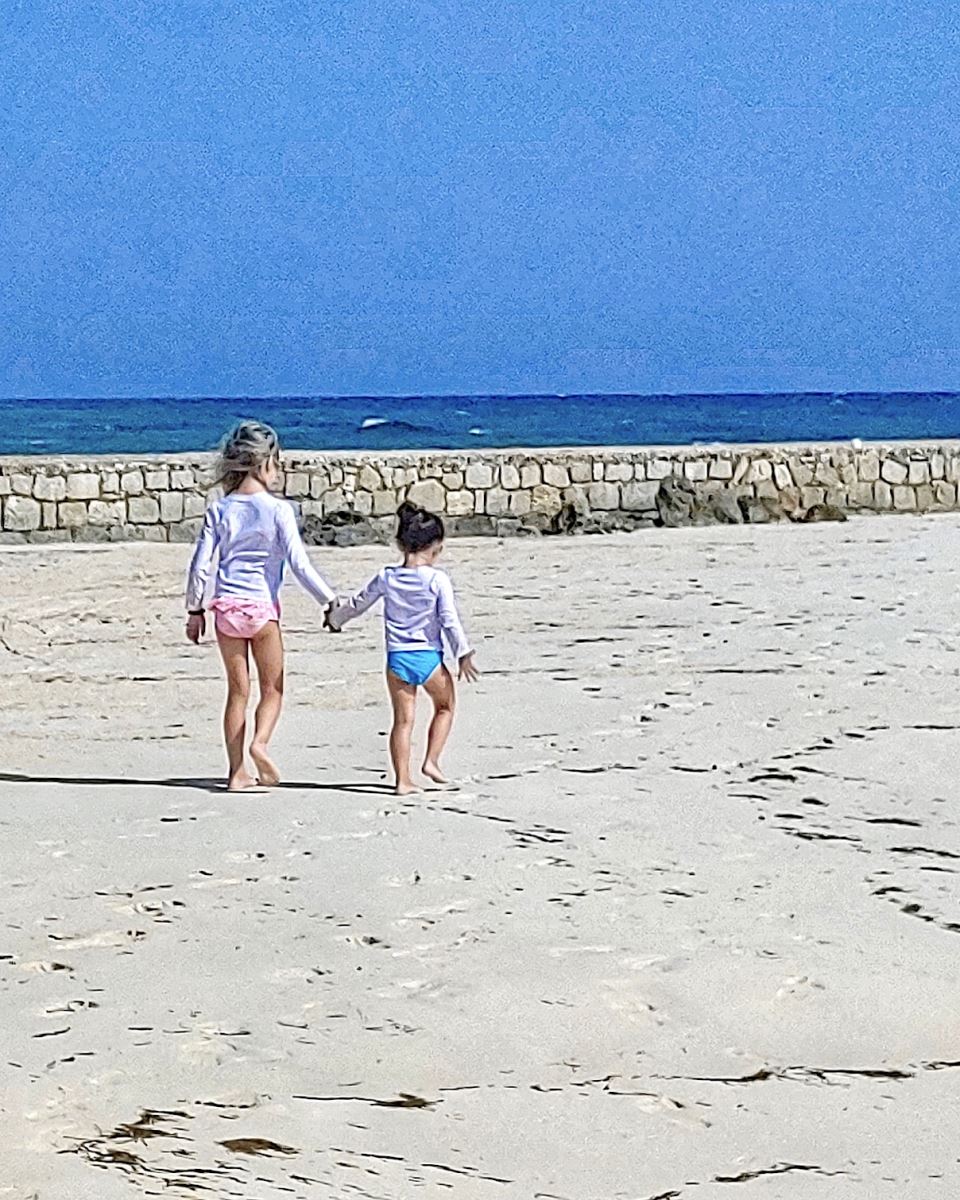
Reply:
x=352 y=496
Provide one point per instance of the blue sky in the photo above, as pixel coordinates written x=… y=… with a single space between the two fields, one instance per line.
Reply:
x=362 y=196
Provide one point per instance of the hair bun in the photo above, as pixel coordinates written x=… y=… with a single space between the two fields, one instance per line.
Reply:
x=417 y=527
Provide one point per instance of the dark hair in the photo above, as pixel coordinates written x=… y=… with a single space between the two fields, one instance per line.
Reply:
x=416 y=528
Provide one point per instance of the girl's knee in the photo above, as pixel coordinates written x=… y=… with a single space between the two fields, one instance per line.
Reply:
x=238 y=691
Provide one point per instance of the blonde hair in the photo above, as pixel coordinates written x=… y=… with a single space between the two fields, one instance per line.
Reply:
x=248 y=446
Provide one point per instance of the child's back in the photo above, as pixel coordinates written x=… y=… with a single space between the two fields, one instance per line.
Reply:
x=252 y=535
x=419 y=616
x=419 y=610
x=255 y=535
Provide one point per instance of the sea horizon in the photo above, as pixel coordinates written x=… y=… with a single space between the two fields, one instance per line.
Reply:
x=184 y=424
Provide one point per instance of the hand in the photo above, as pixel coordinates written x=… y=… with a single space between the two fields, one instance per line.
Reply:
x=196 y=627
x=327 y=622
x=468 y=670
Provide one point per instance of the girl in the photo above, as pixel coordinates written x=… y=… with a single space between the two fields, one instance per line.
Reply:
x=419 y=613
x=256 y=535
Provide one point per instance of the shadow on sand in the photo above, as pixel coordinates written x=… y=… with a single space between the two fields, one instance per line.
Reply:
x=202 y=785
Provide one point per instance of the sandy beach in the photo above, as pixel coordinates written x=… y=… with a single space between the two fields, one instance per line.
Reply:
x=688 y=930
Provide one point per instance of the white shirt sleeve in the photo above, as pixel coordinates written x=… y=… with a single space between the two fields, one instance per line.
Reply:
x=202 y=560
x=357 y=604
x=450 y=622
x=295 y=553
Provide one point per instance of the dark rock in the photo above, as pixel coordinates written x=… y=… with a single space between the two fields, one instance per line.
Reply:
x=185 y=531
x=754 y=511
x=513 y=527
x=538 y=522
x=762 y=510
x=345 y=516
x=725 y=508
x=470 y=526
x=354 y=535
x=340 y=529
x=573 y=516
x=790 y=502
x=680 y=503
x=507 y=526
x=823 y=512
x=616 y=522
x=45 y=536
x=676 y=502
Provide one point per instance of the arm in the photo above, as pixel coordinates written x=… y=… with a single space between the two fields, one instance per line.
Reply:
x=450 y=619
x=357 y=604
x=295 y=553
x=199 y=575
x=200 y=564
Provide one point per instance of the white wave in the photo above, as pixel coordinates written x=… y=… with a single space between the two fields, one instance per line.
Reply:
x=373 y=422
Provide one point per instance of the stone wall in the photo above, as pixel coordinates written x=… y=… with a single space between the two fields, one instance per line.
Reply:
x=352 y=496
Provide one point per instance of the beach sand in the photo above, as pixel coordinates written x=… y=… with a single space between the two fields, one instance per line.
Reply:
x=689 y=929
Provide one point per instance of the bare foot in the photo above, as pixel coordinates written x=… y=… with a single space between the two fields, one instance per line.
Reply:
x=433 y=773
x=405 y=789
x=241 y=782
x=267 y=770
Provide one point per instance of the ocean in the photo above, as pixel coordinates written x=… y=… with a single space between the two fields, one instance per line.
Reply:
x=165 y=425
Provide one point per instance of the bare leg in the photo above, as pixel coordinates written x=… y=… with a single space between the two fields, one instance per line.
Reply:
x=440 y=688
x=267 y=649
x=403 y=697
x=236 y=664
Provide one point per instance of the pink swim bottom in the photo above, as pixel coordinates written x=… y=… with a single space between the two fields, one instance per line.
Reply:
x=243 y=618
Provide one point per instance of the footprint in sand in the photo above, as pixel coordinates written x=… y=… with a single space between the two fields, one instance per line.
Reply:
x=151 y=908
x=297 y=974
x=362 y=941
x=106 y=939
x=620 y=996
x=563 y=951
x=675 y=1111
x=425 y=952
x=665 y=963
x=420 y=988
x=430 y=915
x=799 y=987
x=397 y=881
x=68 y=1006
x=206 y=1046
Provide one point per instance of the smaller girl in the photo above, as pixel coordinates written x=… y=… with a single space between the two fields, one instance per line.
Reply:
x=419 y=613
x=255 y=535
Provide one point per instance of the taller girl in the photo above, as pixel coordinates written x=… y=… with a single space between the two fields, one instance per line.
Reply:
x=255 y=536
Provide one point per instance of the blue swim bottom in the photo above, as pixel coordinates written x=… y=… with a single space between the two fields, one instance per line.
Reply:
x=414 y=666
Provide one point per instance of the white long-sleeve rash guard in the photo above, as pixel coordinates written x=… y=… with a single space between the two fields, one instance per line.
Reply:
x=254 y=536
x=419 y=609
